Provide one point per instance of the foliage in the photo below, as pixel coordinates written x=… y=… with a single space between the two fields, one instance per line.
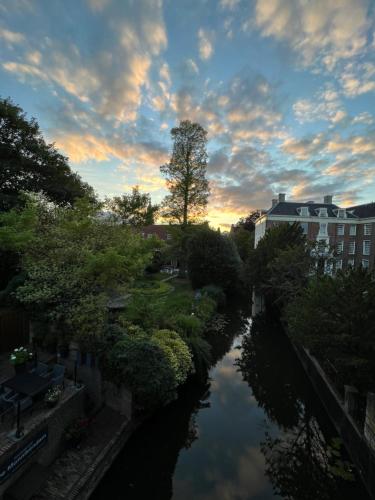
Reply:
x=204 y=308
x=335 y=318
x=177 y=351
x=20 y=355
x=216 y=293
x=53 y=394
x=186 y=174
x=244 y=241
x=28 y=163
x=213 y=259
x=134 y=209
x=74 y=262
x=247 y=223
x=271 y=255
x=151 y=366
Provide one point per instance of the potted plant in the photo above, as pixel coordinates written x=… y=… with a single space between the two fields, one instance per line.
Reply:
x=19 y=358
x=52 y=396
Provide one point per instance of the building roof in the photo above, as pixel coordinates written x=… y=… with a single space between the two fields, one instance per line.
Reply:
x=159 y=230
x=290 y=208
x=366 y=210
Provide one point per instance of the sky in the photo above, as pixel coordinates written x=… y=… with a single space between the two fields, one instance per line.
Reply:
x=285 y=89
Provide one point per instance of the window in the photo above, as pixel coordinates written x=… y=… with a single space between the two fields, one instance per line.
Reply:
x=339 y=264
x=169 y=236
x=341 y=212
x=340 y=247
x=353 y=230
x=323 y=228
x=366 y=247
x=305 y=227
x=149 y=236
x=304 y=211
x=351 y=247
x=322 y=212
x=367 y=229
x=351 y=263
x=340 y=229
x=365 y=263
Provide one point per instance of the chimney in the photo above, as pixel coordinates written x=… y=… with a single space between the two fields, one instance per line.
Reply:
x=274 y=202
x=328 y=199
x=281 y=197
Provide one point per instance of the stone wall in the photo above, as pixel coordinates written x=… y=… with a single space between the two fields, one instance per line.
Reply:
x=357 y=444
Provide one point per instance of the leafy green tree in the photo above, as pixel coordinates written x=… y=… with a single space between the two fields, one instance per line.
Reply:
x=262 y=264
x=134 y=209
x=28 y=163
x=335 y=318
x=244 y=241
x=177 y=351
x=248 y=222
x=73 y=261
x=213 y=259
x=186 y=174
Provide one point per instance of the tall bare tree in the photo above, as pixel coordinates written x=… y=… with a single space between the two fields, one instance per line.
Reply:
x=186 y=174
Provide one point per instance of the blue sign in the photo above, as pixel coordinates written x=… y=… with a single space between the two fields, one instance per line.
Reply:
x=22 y=454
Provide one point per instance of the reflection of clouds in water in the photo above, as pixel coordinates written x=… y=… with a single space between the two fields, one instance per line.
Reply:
x=248 y=482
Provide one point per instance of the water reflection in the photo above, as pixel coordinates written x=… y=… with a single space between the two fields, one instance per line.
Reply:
x=253 y=430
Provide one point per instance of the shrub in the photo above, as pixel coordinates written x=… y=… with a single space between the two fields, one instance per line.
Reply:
x=204 y=308
x=177 y=351
x=185 y=324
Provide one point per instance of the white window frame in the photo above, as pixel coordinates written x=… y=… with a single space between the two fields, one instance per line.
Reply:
x=338 y=264
x=303 y=225
x=366 y=247
x=367 y=229
x=322 y=212
x=169 y=236
x=341 y=213
x=352 y=230
x=351 y=262
x=325 y=226
x=340 y=247
x=365 y=263
x=340 y=230
x=304 y=211
x=351 y=250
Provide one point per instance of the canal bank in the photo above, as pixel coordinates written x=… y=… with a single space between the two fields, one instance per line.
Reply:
x=254 y=430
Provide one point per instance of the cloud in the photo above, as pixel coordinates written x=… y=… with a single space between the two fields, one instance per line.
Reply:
x=205 y=44
x=357 y=79
x=325 y=105
x=323 y=31
x=11 y=37
x=229 y=4
x=304 y=149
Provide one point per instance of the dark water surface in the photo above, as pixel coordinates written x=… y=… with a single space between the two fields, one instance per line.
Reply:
x=254 y=430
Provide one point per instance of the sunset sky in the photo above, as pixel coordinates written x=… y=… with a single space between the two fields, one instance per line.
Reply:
x=285 y=88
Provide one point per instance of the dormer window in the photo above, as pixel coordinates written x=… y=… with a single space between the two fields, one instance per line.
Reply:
x=341 y=213
x=303 y=211
x=322 y=212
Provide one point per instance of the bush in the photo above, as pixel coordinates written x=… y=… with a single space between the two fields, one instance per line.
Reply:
x=204 y=308
x=177 y=351
x=144 y=367
x=185 y=324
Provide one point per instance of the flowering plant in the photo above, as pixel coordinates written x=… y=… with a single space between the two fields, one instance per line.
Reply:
x=20 y=356
x=53 y=394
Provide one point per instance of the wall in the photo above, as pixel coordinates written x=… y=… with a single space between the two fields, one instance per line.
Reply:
x=359 y=449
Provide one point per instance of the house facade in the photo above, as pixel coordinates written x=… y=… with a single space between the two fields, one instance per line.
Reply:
x=349 y=231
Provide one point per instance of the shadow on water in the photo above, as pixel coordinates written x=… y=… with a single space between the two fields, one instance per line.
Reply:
x=253 y=430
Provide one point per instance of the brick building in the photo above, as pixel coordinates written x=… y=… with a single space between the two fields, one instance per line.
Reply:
x=349 y=231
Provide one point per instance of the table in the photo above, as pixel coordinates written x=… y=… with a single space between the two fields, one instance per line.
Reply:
x=27 y=383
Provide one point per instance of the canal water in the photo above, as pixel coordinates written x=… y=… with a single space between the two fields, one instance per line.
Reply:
x=254 y=429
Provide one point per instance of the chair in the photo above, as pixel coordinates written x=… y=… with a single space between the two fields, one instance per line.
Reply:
x=58 y=374
x=25 y=403
x=41 y=369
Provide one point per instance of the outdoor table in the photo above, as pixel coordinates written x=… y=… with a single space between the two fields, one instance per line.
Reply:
x=29 y=384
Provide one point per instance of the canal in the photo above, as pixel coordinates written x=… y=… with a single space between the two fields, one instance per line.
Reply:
x=254 y=429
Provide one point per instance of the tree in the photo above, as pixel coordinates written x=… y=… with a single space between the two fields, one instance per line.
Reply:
x=73 y=262
x=248 y=223
x=186 y=174
x=28 y=163
x=134 y=209
x=244 y=241
x=213 y=259
x=335 y=318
